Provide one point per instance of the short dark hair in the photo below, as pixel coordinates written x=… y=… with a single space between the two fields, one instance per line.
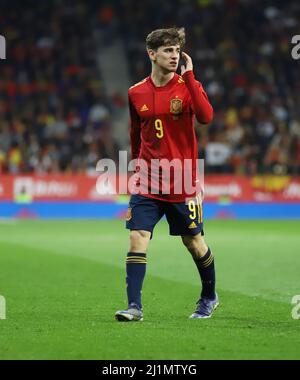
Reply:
x=165 y=37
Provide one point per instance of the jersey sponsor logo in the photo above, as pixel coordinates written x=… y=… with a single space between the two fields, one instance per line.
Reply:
x=129 y=214
x=144 y=108
x=176 y=106
x=193 y=225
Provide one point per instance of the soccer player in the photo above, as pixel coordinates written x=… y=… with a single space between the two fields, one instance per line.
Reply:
x=162 y=109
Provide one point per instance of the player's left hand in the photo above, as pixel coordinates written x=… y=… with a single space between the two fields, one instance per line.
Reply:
x=188 y=63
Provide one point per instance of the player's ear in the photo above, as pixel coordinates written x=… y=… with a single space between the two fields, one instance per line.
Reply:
x=152 y=54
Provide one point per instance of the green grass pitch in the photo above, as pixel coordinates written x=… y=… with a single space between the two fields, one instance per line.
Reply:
x=64 y=280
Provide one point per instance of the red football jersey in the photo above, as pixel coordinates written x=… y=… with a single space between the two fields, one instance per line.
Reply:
x=162 y=127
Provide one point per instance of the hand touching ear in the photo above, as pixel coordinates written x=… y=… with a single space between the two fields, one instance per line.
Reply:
x=188 y=63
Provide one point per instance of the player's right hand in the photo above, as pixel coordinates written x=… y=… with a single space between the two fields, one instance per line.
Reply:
x=188 y=63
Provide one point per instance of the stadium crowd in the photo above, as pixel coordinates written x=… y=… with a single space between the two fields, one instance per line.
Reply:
x=56 y=117
x=242 y=55
x=54 y=114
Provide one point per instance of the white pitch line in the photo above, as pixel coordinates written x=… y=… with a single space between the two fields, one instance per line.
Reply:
x=8 y=221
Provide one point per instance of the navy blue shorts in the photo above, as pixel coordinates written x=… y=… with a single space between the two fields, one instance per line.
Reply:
x=183 y=218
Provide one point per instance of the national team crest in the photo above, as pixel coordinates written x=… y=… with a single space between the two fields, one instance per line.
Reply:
x=176 y=106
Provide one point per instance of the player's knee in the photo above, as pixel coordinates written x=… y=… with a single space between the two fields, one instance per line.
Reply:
x=195 y=245
x=191 y=245
x=139 y=240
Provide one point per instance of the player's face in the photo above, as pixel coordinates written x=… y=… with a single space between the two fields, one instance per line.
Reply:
x=167 y=57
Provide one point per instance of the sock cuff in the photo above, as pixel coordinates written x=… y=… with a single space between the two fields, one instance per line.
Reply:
x=129 y=254
x=136 y=258
x=206 y=260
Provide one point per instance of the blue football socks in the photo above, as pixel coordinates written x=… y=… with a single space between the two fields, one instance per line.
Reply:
x=206 y=269
x=135 y=270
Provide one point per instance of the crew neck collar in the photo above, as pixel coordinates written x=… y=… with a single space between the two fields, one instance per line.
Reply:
x=166 y=86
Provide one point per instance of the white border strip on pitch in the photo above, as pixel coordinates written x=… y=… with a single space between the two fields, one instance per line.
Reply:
x=8 y=221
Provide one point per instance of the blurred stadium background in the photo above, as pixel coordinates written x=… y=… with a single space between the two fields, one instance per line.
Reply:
x=63 y=101
x=63 y=107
